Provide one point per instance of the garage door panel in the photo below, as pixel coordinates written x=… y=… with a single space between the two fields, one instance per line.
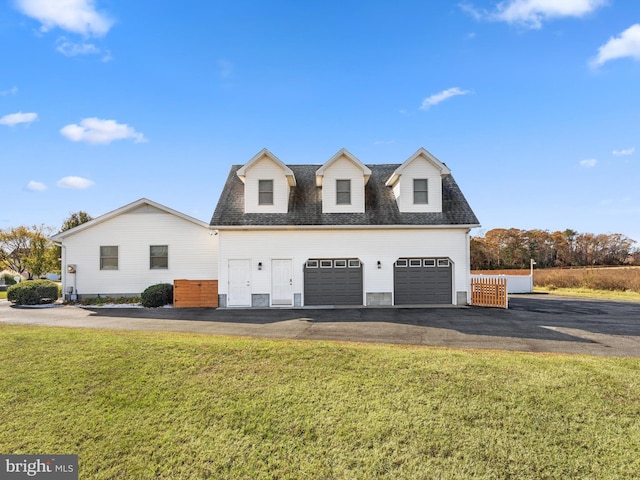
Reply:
x=333 y=285
x=423 y=281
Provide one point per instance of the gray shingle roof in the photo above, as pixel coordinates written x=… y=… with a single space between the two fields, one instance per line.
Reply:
x=305 y=204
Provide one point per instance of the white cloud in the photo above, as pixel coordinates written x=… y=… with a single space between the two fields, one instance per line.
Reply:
x=625 y=45
x=11 y=91
x=588 y=163
x=77 y=183
x=98 y=131
x=441 y=97
x=72 y=49
x=532 y=13
x=77 y=16
x=625 y=151
x=36 y=186
x=19 y=117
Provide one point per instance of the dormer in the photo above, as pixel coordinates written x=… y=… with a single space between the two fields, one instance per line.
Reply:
x=417 y=183
x=267 y=183
x=342 y=179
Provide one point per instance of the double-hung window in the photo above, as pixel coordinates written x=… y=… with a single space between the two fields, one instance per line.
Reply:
x=109 y=257
x=420 y=191
x=158 y=257
x=265 y=192
x=343 y=192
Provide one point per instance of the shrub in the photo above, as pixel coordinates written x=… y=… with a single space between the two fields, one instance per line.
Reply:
x=33 y=292
x=157 y=295
x=8 y=279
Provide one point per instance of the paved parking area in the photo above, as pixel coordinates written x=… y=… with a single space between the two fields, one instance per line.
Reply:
x=533 y=323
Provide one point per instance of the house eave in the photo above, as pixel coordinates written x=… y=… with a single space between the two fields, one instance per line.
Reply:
x=344 y=227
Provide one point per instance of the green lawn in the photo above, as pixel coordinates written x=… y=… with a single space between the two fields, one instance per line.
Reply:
x=140 y=405
x=626 y=296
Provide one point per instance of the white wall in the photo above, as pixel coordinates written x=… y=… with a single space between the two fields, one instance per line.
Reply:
x=266 y=169
x=343 y=169
x=193 y=253
x=369 y=245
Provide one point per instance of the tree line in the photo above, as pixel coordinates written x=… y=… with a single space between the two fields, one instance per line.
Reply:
x=28 y=250
x=513 y=248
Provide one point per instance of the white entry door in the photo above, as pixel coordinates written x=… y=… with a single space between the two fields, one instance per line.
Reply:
x=239 y=283
x=281 y=282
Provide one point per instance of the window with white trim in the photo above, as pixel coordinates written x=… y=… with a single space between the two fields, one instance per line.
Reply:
x=158 y=257
x=343 y=192
x=420 y=191
x=109 y=257
x=265 y=192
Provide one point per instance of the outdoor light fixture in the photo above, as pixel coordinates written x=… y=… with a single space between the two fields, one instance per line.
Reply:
x=379 y=264
x=259 y=265
x=71 y=268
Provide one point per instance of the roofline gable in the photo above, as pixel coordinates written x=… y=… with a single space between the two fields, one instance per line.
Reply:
x=242 y=171
x=343 y=152
x=122 y=210
x=421 y=152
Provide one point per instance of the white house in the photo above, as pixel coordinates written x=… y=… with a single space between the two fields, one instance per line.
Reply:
x=125 y=251
x=343 y=233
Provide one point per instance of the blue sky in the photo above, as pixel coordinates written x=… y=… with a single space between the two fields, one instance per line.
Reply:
x=533 y=104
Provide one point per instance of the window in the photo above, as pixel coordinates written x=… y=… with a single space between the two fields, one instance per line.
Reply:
x=429 y=262
x=340 y=263
x=159 y=257
x=401 y=262
x=109 y=258
x=265 y=192
x=312 y=263
x=415 y=262
x=354 y=263
x=326 y=263
x=420 y=191
x=343 y=192
x=443 y=262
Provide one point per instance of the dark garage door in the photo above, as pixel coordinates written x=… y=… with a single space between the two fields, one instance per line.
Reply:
x=422 y=281
x=336 y=281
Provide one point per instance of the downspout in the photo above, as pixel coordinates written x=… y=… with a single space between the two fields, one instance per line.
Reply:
x=63 y=269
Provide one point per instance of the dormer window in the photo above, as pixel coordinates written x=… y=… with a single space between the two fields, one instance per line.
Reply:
x=343 y=192
x=265 y=192
x=420 y=191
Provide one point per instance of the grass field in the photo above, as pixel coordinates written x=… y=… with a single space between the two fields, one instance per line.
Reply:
x=611 y=283
x=3 y=295
x=140 y=405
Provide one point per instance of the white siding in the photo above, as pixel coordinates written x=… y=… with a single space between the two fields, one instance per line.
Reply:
x=370 y=246
x=193 y=253
x=266 y=169
x=403 y=190
x=343 y=169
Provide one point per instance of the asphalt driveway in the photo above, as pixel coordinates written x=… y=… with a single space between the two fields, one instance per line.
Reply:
x=533 y=323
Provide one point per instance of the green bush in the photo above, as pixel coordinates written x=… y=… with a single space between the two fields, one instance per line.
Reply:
x=33 y=292
x=8 y=279
x=157 y=295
